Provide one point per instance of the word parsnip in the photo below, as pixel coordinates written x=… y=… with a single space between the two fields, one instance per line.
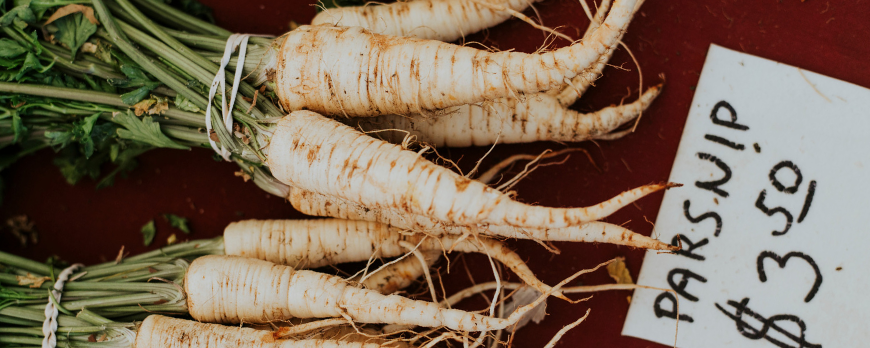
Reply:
x=773 y=217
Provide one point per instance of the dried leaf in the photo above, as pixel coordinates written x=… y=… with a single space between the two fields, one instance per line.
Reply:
x=142 y=107
x=88 y=12
x=619 y=272
x=160 y=106
x=22 y=229
x=522 y=297
x=32 y=280
x=244 y=175
x=148 y=233
x=120 y=256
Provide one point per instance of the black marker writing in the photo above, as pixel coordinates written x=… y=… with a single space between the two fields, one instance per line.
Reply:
x=714 y=185
x=708 y=215
x=781 y=261
x=669 y=313
x=685 y=276
x=779 y=186
x=688 y=247
x=766 y=324
x=811 y=191
x=723 y=141
x=714 y=115
x=759 y=203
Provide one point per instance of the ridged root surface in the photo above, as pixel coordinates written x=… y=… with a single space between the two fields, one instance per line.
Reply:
x=314 y=153
x=158 y=331
x=315 y=204
x=317 y=243
x=539 y=117
x=354 y=72
x=442 y=20
x=232 y=289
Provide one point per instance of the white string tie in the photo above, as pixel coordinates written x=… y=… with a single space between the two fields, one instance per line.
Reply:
x=49 y=326
x=233 y=42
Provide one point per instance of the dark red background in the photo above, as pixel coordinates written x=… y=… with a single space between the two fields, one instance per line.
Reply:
x=668 y=37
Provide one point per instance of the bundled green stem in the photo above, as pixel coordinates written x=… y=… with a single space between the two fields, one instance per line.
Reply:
x=108 y=92
x=98 y=300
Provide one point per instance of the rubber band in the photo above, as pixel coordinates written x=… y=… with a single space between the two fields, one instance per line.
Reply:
x=49 y=326
x=233 y=42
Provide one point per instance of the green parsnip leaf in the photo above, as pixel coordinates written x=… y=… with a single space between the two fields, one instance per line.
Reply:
x=135 y=78
x=19 y=128
x=125 y=160
x=73 y=31
x=148 y=232
x=82 y=132
x=31 y=62
x=19 y=15
x=182 y=103
x=10 y=49
x=74 y=167
x=144 y=130
x=177 y=222
x=135 y=96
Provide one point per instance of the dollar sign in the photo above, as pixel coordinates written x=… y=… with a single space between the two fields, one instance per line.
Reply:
x=752 y=333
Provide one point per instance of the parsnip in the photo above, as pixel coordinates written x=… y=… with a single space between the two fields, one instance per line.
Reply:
x=313 y=153
x=227 y=289
x=158 y=331
x=315 y=243
x=398 y=275
x=443 y=20
x=353 y=72
x=315 y=204
x=539 y=117
x=449 y=20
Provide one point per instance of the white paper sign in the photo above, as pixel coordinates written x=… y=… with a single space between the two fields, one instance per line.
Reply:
x=774 y=217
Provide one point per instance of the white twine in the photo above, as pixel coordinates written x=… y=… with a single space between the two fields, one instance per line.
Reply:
x=233 y=42
x=49 y=326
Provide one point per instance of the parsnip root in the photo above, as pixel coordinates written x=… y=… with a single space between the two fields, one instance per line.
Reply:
x=315 y=204
x=354 y=72
x=164 y=332
x=442 y=20
x=315 y=243
x=231 y=289
x=539 y=117
x=317 y=154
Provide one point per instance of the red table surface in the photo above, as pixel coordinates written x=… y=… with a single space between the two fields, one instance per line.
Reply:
x=82 y=224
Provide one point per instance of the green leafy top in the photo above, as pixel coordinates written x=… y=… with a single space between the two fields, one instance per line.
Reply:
x=148 y=232
x=144 y=130
x=177 y=222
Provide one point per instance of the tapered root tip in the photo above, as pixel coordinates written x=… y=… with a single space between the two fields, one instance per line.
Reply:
x=672 y=185
x=560 y=295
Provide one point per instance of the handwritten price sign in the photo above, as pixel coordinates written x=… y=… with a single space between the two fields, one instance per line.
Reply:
x=774 y=217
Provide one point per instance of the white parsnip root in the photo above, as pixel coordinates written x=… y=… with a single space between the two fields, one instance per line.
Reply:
x=315 y=243
x=158 y=331
x=230 y=289
x=442 y=20
x=354 y=72
x=398 y=275
x=315 y=204
x=539 y=117
x=317 y=154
